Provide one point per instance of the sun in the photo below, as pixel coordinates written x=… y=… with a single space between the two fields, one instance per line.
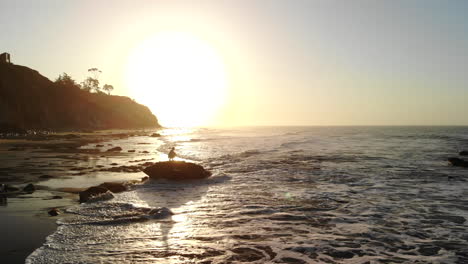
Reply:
x=180 y=77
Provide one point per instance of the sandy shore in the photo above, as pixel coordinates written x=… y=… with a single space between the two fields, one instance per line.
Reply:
x=24 y=225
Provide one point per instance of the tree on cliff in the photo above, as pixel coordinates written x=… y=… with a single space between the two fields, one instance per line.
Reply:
x=108 y=88
x=92 y=83
x=66 y=80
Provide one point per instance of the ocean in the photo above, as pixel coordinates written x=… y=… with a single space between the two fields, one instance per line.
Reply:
x=280 y=195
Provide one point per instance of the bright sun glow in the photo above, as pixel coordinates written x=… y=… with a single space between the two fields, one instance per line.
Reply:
x=179 y=77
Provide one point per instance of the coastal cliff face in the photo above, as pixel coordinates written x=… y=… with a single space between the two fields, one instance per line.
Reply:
x=29 y=100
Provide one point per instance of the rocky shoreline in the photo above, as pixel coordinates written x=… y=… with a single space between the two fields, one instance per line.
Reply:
x=33 y=164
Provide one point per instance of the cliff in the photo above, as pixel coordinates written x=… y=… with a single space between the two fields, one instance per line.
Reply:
x=29 y=100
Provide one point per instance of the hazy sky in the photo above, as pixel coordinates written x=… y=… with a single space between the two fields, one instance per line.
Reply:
x=289 y=62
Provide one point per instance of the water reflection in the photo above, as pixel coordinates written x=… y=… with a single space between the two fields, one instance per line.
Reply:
x=183 y=199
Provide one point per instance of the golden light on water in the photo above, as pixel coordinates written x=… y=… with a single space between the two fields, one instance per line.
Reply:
x=180 y=77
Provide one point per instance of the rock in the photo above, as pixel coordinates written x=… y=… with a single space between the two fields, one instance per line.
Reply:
x=458 y=162
x=45 y=176
x=114 y=187
x=54 y=212
x=132 y=150
x=155 y=135
x=176 y=170
x=99 y=146
x=29 y=188
x=144 y=179
x=160 y=213
x=463 y=153
x=55 y=197
x=145 y=151
x=116 y=149
x=93 y=192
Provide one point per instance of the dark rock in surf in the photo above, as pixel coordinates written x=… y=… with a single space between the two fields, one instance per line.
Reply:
x=54 y=212
x=132 y=150
x=116 y=149
x=95 y=192
x=114 y=187
x=155 y=135
x=177 y=171
x=458 y=162
x=463 y=153
x=30 y=188
x=160 y=213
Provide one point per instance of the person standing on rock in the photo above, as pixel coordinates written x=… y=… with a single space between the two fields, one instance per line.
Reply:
x=171 y=155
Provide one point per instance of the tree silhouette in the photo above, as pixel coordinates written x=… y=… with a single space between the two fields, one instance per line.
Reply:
x=108 y=88
x=91 y=84
x=66 y=80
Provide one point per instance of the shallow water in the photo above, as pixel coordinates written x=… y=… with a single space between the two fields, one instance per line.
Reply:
x=279 y=195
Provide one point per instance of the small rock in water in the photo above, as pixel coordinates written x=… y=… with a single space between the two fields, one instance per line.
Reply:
x=92 y=192
x=29 y=188
x=132 y=150
x=463 y=153
x=176 y=170
x=458 y=162
x=114 y=187
x=99 y=146
x=155 y=135
x=116 y=149
x=54 y=212
x=159 y=213
x=144 y=179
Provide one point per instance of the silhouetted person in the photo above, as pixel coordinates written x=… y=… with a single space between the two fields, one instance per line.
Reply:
x=171 y=155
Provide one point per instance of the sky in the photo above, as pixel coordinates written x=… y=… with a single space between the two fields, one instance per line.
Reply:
x=302 y=62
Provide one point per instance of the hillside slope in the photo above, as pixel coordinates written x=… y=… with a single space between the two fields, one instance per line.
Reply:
x=29 y=100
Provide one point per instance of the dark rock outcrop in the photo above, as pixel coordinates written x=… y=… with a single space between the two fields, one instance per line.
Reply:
x=95 y=193
x=54 y=212
x=463 y=153
x=458 y=162
x=115 y=187
x=29 y=100
x=177 y=171
x=30 y=188
x=116 y=149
